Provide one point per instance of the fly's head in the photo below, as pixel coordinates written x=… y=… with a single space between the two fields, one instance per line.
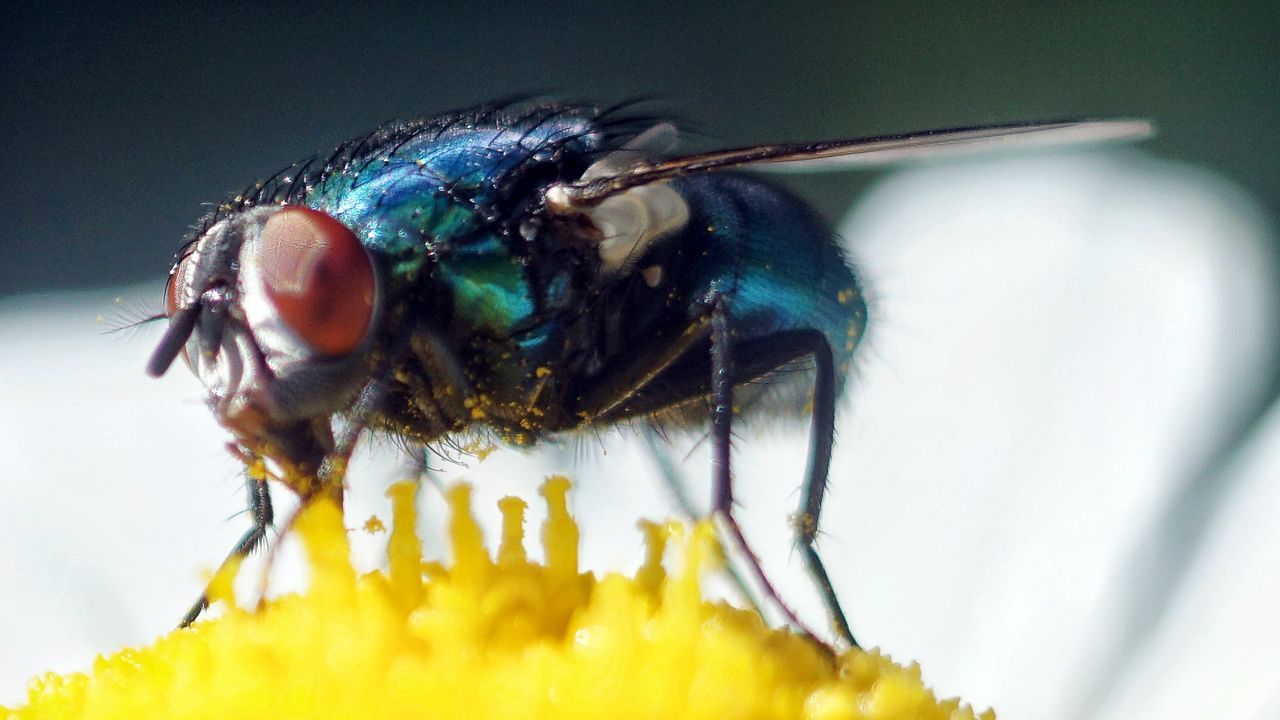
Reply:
x=273 y=309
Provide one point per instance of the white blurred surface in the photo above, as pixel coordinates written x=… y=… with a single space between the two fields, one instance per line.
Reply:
x=1057 y=345
x=1063 y=341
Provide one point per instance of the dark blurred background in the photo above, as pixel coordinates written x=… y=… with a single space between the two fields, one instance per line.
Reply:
x=117 y=123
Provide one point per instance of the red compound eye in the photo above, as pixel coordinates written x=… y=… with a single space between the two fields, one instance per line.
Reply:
x=171 y=291
x=319 y=278
x=175 y=289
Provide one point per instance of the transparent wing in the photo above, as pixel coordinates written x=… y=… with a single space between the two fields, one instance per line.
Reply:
x=868 y=152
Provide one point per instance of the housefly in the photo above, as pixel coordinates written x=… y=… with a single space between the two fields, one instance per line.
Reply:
x=528 y=269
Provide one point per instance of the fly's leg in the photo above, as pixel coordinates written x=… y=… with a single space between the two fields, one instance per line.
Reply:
x=721 y=446
x=333 y=471
x=626 y=393
x=671 y=477
x=420 y=469
x=670 y=473
x=805 y=522
x=332 y=475
x=304 y=502
x=262 y=514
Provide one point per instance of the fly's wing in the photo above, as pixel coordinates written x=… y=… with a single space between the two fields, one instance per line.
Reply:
x=864 y=152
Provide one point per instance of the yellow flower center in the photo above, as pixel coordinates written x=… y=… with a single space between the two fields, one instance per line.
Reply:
x=488 y=637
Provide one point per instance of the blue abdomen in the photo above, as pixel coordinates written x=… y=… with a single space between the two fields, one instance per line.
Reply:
x=774 y=260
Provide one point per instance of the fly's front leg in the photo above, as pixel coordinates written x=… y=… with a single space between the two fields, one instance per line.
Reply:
x=332 y=476
x=333 y=472
x=262 y=514
x=721 y=450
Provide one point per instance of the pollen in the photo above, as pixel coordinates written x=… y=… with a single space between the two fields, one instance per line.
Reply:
x=479 y=449
x=489 y=635
x=374 y=525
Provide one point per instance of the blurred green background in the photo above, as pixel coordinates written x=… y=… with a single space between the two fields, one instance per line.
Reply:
x=118 y=122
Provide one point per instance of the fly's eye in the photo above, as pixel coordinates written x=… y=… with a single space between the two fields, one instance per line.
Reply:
x=171 y=291
x=174 y=289
x=319 y=278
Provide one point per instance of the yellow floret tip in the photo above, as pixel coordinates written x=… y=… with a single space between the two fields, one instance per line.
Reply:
x=503 y=638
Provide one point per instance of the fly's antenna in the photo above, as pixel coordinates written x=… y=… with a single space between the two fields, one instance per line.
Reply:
x=175 y=337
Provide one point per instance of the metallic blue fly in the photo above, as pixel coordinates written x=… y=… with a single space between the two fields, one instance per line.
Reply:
x=532 y=269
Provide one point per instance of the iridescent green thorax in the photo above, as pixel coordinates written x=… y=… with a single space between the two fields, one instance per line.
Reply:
x=438 y=202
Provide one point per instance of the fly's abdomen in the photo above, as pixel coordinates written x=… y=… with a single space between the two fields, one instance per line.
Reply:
x=773 y=259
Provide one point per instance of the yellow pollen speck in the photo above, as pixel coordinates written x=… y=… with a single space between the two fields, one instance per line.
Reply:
x=479 y=449
x=257 y=470
x=374 y=525
x=489 y=636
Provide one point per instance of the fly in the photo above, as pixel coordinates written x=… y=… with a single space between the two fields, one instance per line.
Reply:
x=530 y=269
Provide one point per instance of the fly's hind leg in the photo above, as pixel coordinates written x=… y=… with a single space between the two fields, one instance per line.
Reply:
x=654 y=379
x=721 y=450
x=821 y=439
x=262 y=514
